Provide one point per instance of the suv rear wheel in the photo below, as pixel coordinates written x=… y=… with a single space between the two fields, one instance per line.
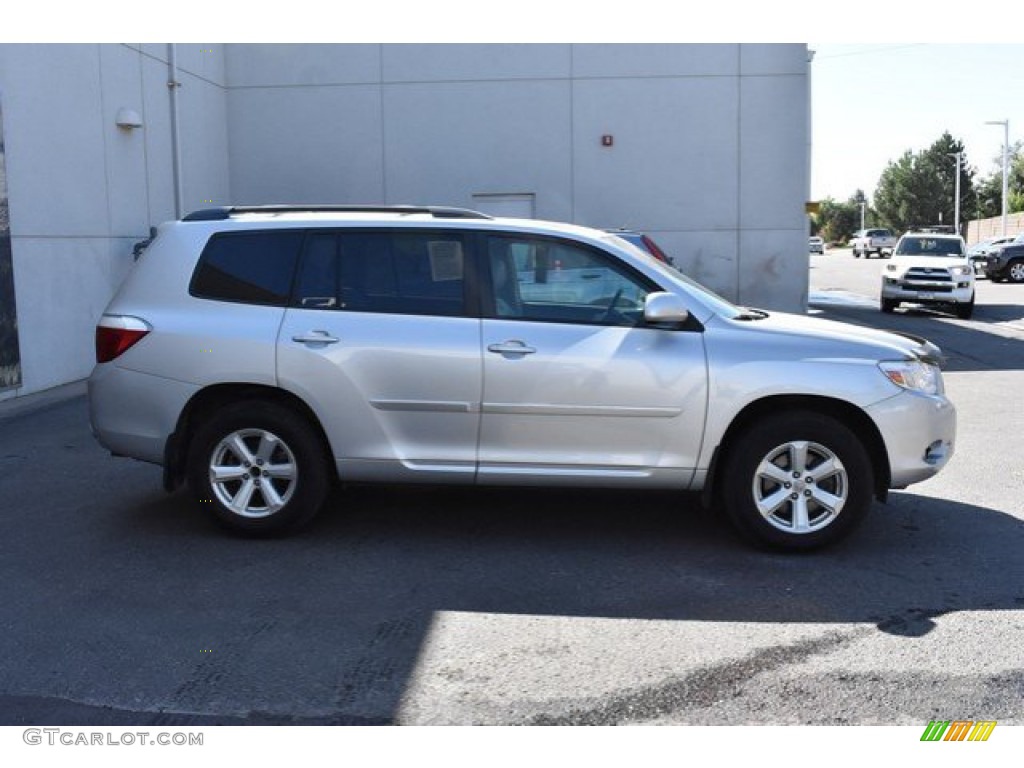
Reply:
x=797 y=480
x=259 y=468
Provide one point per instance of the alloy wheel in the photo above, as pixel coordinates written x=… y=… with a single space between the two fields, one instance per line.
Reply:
x=800 y=487
x=253 y=473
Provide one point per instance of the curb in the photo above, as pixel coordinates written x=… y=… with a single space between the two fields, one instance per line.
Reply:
x=19 y=406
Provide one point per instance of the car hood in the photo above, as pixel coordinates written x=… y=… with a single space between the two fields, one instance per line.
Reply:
x=845 y=339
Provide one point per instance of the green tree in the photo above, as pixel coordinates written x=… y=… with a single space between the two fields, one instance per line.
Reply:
x=990 y=189
x=918 y=188
x=989 y=193
x=1015 y=189
x=836 y=221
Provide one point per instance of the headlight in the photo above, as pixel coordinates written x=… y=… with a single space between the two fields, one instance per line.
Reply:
x=913 y=374
x=959 y=270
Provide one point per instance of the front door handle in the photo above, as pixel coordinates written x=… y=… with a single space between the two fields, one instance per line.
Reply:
x=316 y=337
x=511 y=347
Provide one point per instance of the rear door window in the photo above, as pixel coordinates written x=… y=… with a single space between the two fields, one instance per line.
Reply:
x=411 y=273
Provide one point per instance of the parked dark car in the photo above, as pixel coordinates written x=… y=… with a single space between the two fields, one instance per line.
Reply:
x=978 y=253
x=1006 y=263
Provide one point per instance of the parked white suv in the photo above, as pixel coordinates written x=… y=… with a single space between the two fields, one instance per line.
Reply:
x=261 y=354
x=929 y=268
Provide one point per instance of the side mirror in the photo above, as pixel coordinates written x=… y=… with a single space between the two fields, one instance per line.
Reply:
x=663 y=308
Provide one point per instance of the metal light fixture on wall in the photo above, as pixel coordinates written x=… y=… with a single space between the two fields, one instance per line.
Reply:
x=128 y=118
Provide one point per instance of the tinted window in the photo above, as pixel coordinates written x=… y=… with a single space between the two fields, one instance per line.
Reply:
x=413 y=273
x=930 y=246
x=250 y=267
x=316 y=285
x=542 y=279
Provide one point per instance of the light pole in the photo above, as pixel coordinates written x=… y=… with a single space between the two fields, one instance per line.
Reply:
x=956 y=200
x=1006 y=159
x=863 y=205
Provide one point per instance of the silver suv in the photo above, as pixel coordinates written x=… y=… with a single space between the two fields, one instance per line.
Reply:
x=261 y=354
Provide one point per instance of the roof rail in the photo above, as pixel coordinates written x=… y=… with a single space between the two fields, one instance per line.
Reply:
x=438 y=212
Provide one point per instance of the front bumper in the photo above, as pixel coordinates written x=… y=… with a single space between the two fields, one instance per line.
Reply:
x=957 y=292
x=919 y=432
x=994 y=268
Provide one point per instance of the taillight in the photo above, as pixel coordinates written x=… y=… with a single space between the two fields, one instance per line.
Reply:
x=655 y=251
x=117 y=333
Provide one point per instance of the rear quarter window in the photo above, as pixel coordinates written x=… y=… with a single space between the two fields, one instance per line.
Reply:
x=248 y=267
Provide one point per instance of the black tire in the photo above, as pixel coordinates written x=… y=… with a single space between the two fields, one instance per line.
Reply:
x=889 y=305
x=1015 y=271
x=964 y=311
x=775 y=440
x=272 y=434
x=856 y=253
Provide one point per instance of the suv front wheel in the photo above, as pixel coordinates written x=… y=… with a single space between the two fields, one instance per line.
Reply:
x=964 y=311
x=797 y=480
x=258 y=467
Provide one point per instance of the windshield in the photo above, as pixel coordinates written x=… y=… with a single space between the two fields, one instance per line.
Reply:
x=713 y=300
x=951 y=247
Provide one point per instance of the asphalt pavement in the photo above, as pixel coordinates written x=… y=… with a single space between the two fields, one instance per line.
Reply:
x=124 y=605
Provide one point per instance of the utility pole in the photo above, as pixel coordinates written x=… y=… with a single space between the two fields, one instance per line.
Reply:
x=863 y=205
x=1006 y=162
x=956 y=199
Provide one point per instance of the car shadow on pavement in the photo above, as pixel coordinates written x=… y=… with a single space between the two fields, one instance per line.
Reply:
x=980 y=344
x=155 y=615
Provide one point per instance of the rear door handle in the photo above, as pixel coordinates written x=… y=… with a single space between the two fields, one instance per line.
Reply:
x=511 y=347
x=316 y=337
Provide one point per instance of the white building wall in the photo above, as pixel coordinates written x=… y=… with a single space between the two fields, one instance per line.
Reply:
x=709 y=149
x=709 y=153
x=82 y=191
x=774 y=178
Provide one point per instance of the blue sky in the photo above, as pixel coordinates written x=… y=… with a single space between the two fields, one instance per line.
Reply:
x=870 y=103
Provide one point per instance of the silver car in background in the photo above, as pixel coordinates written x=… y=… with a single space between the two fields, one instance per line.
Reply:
x=262 y=354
